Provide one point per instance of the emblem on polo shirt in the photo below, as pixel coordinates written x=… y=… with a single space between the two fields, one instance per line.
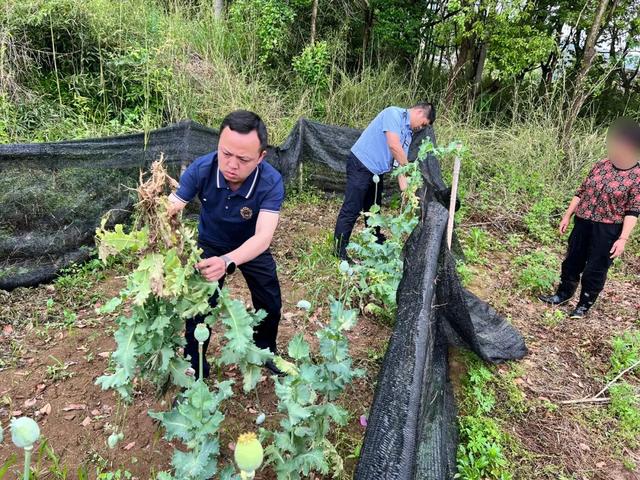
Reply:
x=246 y=213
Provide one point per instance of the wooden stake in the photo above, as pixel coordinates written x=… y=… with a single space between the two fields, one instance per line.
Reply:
x=452 y=200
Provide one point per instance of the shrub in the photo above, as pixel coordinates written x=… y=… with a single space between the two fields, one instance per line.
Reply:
x=538 y=221
x=312 y=65
x=538 y=271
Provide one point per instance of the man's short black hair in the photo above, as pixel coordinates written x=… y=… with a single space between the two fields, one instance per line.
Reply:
x=429 y=111
x=244 y=121
x=626 y=130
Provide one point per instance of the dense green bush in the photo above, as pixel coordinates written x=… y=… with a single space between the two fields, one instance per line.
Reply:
x=537 y=272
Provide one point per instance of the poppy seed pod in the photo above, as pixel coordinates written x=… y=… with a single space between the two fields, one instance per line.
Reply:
x=24 y=432
x=201 y=333
x=248 y=453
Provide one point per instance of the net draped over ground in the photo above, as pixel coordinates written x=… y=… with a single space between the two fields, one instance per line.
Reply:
x=53 y=196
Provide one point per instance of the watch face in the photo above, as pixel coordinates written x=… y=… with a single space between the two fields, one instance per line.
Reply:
x=231 y=267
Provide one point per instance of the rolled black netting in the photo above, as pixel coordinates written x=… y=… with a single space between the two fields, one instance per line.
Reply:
x=53 y=196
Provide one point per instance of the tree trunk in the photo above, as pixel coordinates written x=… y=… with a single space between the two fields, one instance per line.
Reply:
x=458 y=76
x=368 y=25
x=314 y=16
x=548 y=68
x=218 y=8
x=482 y=57
x=579 y=93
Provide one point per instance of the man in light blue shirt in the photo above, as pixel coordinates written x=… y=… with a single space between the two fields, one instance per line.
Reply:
x=386 y=138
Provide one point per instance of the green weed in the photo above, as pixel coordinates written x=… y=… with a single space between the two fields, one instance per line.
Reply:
x=465 y=273
x=475 y=244
x=482 y=449
x=537 y=272
x=625 y=407
x=553 y=317
x=539 y=218
x=626 y=351
x=316 y=266
x=58 y=371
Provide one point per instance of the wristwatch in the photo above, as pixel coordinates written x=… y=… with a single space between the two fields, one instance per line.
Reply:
x=230 y=265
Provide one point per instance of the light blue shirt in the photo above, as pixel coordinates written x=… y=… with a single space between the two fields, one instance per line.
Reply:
x=372 y=148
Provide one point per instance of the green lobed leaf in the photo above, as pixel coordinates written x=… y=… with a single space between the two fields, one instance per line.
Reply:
x=117 y=241
x=298 y=348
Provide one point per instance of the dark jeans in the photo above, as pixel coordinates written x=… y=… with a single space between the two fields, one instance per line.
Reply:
x=262 y=280
x=359 y=196
x=588 y=255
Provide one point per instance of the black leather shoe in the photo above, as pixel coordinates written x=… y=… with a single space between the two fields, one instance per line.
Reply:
x=580 y=311
x=269 y=365
x=556 y=299
x=563 y=294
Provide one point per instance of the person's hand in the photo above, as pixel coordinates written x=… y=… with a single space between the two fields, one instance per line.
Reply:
x=212 y=269
x=618 y=247
x=174 y=205
x=564 y=224
x=402 y=182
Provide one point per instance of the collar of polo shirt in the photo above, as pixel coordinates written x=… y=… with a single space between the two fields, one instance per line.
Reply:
x=247 y=187
x=405 y=116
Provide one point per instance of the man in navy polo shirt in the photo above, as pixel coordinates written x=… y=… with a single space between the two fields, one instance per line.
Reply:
x=241 y=198
x=386 y=138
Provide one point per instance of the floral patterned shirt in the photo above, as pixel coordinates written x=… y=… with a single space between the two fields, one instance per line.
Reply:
x=608 y=194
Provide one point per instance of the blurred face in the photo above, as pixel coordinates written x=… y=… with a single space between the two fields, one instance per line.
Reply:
x=238 y=155
x=621 y=152
x=417 y=119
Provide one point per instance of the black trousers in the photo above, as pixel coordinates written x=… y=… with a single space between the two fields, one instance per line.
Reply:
x=360 y=195
x=588 y=255
x=262 y=280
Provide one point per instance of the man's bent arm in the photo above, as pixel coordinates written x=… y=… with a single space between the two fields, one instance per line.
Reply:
x=393 y=140
x=259 y=242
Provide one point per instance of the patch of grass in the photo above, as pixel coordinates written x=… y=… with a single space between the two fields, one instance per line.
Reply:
x=625 y=407
x=538 y=221
x=482 y=449
x=117 y=475
x=626 y=351
x=308 y=195
x=376 y=355
x=81 y=276
x=475 y=244
x=465 y=273
x=514 y=402
x=316 y=267
x=514 y=241
x=553 y=317
x=537 y=271
x=58 y=371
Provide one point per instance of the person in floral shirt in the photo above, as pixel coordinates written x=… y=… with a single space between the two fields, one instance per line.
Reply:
x=605 y=210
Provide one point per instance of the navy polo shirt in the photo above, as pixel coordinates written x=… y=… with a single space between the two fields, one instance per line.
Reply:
x=228 y=218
